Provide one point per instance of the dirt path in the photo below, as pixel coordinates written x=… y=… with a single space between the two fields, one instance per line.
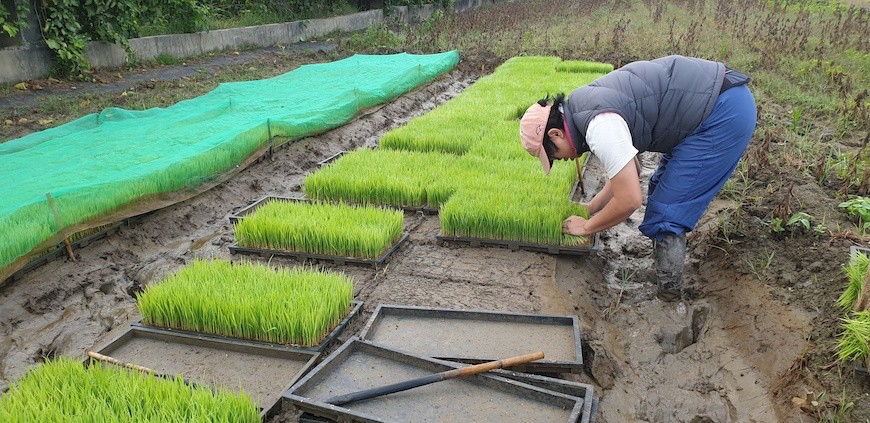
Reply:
x=714 y=359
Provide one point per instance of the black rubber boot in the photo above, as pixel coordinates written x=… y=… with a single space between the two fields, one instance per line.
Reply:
x=670 y=258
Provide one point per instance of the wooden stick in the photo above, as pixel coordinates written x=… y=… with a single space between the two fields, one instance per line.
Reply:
x=580 y=176
x=100 y=357
x=437 y=377
x=66 y=243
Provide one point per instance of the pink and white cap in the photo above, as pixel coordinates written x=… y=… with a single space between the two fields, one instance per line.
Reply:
x=532 y=127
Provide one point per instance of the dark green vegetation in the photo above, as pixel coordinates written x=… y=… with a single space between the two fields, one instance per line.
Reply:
x=67 y=25
x=810 y=61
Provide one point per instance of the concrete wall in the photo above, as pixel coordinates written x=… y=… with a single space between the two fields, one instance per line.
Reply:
x=33 y=60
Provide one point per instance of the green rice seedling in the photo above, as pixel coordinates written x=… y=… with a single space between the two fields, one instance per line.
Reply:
x=513 y=200
x=333 y=229
x=380 y=177
x=63 y=390
x=580 y=66
x=249 y=301
x=856 y=273
x=855 y=340
x=501 y=144
x=465 y=158
x=428 y=133
x=467 y=120
x=504 y=175
x=486 y=214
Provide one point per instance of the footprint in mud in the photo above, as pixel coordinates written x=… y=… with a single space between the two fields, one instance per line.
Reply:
x=107 y=288
x=675 y=337
x=50 y=351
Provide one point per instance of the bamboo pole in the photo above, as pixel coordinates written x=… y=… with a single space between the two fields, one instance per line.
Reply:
x=437 y=377
x=104 y=358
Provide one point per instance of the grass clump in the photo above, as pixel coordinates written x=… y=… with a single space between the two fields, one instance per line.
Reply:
x=249 y=301
x=856 y=273
x=334 y=229
x=63 y=390
x=855 y=340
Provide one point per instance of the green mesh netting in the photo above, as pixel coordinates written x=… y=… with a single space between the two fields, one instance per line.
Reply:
x=101 y=162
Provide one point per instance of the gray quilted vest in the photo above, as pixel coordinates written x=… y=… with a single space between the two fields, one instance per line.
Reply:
x=662 y=100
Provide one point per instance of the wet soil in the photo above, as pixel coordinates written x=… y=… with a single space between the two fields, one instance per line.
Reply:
x=758 y=329
x=460 y=399
x=261 y=375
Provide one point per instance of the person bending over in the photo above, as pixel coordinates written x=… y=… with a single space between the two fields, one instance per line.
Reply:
x=697 y=113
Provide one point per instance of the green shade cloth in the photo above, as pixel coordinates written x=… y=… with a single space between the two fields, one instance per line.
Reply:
x=101 y=162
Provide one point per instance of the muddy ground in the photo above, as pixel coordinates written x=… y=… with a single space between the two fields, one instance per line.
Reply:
x=748 y=340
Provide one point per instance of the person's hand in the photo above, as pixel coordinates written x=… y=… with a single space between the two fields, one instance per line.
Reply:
x=575 y=225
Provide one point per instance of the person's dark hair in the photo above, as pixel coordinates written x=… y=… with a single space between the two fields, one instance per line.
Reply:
x=554 y=121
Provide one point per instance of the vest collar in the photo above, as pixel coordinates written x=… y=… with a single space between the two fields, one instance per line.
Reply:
x=571 y=131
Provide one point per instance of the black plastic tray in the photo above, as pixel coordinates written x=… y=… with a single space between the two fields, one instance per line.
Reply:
x=330 y=159
x=478 y=335
x=359 y=365
x=854 y=250
x=270 y=402
x=528 y=246
x=356 y=307
x=338 y=260
x=59 y=250
x=575 y=389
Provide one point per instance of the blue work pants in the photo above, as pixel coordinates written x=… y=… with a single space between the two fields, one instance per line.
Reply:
x=688 y=178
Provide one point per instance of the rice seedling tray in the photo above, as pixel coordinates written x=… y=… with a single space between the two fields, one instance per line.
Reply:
x=234 y=218
x=263 y=371
x=475 y=336
x=853 y=254
x=356 y=307
x=338 y=260
x=575 y=389
x=358 y=365
x=527 y=246
x=330 y=159
x=59 y=250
